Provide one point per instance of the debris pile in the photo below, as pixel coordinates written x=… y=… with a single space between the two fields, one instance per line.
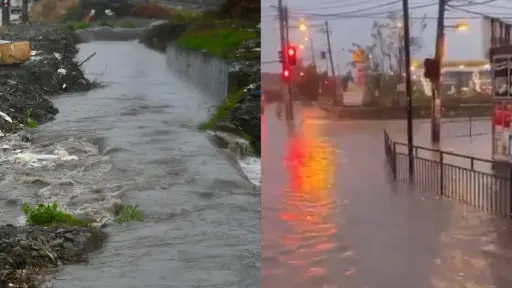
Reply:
x=52 y=70
x=26 y=251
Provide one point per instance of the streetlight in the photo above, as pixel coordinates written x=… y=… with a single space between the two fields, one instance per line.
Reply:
x=459 y=26
x=302 y=25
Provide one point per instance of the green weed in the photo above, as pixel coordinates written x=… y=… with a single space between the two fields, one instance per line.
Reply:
x=29 y=122
x=222 y=110
x=77 y=25
x=50 y=215
x=129 y=213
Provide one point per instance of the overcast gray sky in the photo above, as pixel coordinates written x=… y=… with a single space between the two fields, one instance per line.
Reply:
x=345 y=31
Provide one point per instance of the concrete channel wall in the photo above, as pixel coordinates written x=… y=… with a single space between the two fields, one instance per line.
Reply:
x=208 y=73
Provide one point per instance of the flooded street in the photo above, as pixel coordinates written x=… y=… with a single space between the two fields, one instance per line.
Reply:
x=137 y=141
x=331 y=216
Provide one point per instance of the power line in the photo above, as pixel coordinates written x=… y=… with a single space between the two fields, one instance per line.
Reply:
x=339 y=5
x=476 y=13
x=385 y=14
x=379 y=17
x=471 y=3
x=358 y=10
x=348 y=14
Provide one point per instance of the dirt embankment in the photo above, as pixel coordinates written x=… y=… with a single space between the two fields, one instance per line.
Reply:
x=53 y=69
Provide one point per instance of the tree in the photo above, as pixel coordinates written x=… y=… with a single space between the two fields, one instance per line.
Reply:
x=385 y=55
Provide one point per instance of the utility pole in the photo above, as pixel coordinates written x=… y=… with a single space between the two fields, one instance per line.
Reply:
x=289 y=102
x=24 y=9
x=408 y=87
x=6 y=12
x=283 y=34
x=281 y=29
x=312 y=51
x=435 y=113
x=328 y=32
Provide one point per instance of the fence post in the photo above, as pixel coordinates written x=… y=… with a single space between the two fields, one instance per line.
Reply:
x=470 y=126
x=393 y=161
x=441 y=173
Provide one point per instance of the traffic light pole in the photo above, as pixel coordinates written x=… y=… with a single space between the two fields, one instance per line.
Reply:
x=328 y=32
x=435 y=113
x=24 y=9
x=408 y=88
x=289 y=99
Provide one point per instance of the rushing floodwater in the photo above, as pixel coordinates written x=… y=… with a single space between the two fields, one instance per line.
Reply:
x=136 y=141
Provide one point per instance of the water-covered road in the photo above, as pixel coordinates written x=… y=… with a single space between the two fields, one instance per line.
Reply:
x=331 y=217
x=137 y=142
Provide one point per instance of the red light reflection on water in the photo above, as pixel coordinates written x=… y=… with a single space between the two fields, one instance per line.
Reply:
x=308 y=204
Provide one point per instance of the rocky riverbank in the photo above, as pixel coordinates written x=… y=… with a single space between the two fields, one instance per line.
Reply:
x=52 y=70
x=27 y=252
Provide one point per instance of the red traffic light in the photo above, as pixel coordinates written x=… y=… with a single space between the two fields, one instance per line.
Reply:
x=291 y=53
x=286 y=74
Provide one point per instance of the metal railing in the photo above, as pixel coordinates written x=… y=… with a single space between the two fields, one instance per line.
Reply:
x=480 y=183
x=466 y=127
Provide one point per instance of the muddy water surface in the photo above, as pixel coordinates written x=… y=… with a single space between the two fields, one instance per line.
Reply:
x=136 y=141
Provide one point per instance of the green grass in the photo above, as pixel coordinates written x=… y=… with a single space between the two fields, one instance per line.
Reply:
x=220 y=41
x=29 y=122
x=222 y=110
x=77 y=25
x=50 y=215
x=124 y=24
x=185 y=16
x=129 y=213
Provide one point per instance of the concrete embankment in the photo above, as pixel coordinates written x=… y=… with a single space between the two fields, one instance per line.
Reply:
x=210 y=74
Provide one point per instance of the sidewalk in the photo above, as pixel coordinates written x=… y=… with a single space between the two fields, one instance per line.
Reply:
x=364 y=230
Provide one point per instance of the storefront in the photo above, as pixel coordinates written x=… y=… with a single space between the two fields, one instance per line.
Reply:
x=501 y=69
